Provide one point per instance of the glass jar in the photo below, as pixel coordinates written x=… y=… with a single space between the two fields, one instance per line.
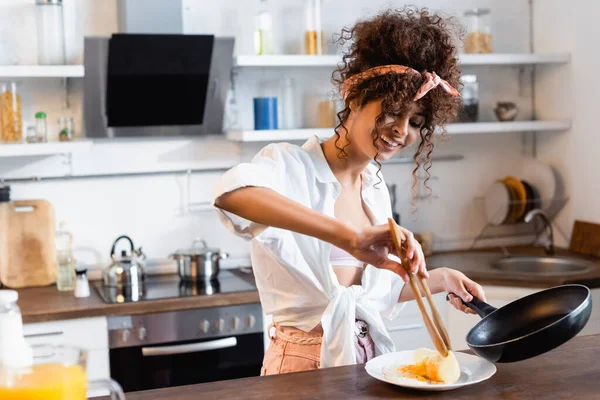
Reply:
x=41 y=130
x=14 y=351
x=11 y=116
x=470 y=98
x=57 y=372
x=479 y=31
x=314 y=39
x=65 y=126
x=263 y=33
x=50 y=32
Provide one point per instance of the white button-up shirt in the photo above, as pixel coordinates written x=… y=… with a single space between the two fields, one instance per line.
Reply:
x=294 y=277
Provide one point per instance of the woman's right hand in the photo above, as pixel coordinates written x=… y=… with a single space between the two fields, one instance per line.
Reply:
x=373 y=245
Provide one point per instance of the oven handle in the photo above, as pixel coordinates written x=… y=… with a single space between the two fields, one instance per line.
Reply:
x=190 y=347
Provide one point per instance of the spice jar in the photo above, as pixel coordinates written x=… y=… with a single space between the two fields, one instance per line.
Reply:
x=11 y=117
x=479 y=36
x=470 y=98
x=65 y=126
x=314 y=39
x=41 y=130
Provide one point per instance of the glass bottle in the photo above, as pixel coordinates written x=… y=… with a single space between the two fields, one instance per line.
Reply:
x=263 y=34
x=65 y=260
x=41 y=130
x=11 y=116
x=14 y=350
x=479 y=36
x=314 y=39
x=50 y=32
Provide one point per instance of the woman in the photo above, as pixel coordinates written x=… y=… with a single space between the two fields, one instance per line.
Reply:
x=316 y=215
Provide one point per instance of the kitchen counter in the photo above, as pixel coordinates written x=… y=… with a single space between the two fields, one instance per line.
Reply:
x=41 y=304
x=568 y=372
x=48 y=304
x=476 y=265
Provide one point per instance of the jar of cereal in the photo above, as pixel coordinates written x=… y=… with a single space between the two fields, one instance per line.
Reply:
x=11 y=117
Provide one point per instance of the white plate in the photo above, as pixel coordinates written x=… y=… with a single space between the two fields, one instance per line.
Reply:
x=472 y=370
x=497 y=203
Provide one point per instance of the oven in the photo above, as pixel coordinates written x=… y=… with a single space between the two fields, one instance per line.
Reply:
x=176 y=348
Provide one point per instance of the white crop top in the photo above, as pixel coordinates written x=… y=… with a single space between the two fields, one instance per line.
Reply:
x=339 y=257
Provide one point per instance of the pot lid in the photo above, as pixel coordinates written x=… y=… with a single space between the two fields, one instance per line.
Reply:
x=199 y=247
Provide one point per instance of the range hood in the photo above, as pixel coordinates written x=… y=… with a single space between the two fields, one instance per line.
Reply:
x=151 y=79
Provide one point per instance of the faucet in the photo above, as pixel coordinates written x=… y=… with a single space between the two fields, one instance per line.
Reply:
x=549 y=248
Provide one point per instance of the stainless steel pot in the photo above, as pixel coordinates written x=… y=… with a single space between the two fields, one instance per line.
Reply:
x=198 y=263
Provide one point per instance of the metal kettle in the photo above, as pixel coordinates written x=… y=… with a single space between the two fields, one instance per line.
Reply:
x=126 y=271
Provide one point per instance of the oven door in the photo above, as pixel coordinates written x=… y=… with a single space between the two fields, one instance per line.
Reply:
x=187 y=362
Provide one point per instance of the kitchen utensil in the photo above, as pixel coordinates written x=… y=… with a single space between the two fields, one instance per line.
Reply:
x=519 y=204
x=27 y=252
x=437 y=330
x=506 y=111
x=542 y=177
x=472 y=370
x=531 y=325
x=198 y=263
x=533 y=199
x=58 y=373
x=585 y=238
x=497 y=203
x=126 y=271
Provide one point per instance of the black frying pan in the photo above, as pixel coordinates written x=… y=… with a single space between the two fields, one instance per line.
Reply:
x=531 y=325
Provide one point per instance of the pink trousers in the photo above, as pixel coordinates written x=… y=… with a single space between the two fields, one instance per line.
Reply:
x=293 y=350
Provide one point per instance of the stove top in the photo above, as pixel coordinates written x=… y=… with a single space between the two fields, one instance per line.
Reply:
x=170 y=286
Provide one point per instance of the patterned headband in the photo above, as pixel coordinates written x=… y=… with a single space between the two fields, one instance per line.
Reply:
x=431 y=79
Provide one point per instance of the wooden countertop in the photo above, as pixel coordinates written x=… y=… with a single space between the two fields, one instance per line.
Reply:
x=43 y=304
x=568 y=372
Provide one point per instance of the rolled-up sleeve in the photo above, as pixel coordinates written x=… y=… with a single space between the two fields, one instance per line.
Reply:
x=267 y=169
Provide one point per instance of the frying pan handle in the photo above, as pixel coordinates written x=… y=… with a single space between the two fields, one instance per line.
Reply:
x=482 y=308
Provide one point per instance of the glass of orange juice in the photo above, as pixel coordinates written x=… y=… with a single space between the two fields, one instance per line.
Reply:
x=57 y=373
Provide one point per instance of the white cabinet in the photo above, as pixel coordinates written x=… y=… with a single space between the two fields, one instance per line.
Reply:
x=90 y=334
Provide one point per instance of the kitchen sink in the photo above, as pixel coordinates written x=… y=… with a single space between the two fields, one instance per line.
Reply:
x=545 y=266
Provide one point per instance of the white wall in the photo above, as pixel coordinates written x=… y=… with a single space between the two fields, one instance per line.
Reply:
x=571 y=90
x=147 y=208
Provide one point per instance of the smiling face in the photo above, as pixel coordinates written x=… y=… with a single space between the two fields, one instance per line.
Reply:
x=396 y=132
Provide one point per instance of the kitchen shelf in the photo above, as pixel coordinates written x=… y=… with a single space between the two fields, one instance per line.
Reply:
x=44 y=149
x=289 y=60
x=452 y=129
x=42 y=71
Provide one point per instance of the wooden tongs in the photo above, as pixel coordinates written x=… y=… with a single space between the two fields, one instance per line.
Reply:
x=437 y=330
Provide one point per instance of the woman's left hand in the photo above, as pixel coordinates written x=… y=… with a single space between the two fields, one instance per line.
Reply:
x=459 y=286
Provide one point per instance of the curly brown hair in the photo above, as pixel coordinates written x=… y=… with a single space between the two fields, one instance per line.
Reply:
x=414 y=38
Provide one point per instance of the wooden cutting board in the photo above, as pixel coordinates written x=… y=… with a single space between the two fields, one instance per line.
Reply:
x=585 y=238
x=27 y=249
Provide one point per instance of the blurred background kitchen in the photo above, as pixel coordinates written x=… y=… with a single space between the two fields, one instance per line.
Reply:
x=106 y=132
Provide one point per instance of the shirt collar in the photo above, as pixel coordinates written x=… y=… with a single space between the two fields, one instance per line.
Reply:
x=322 y=170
